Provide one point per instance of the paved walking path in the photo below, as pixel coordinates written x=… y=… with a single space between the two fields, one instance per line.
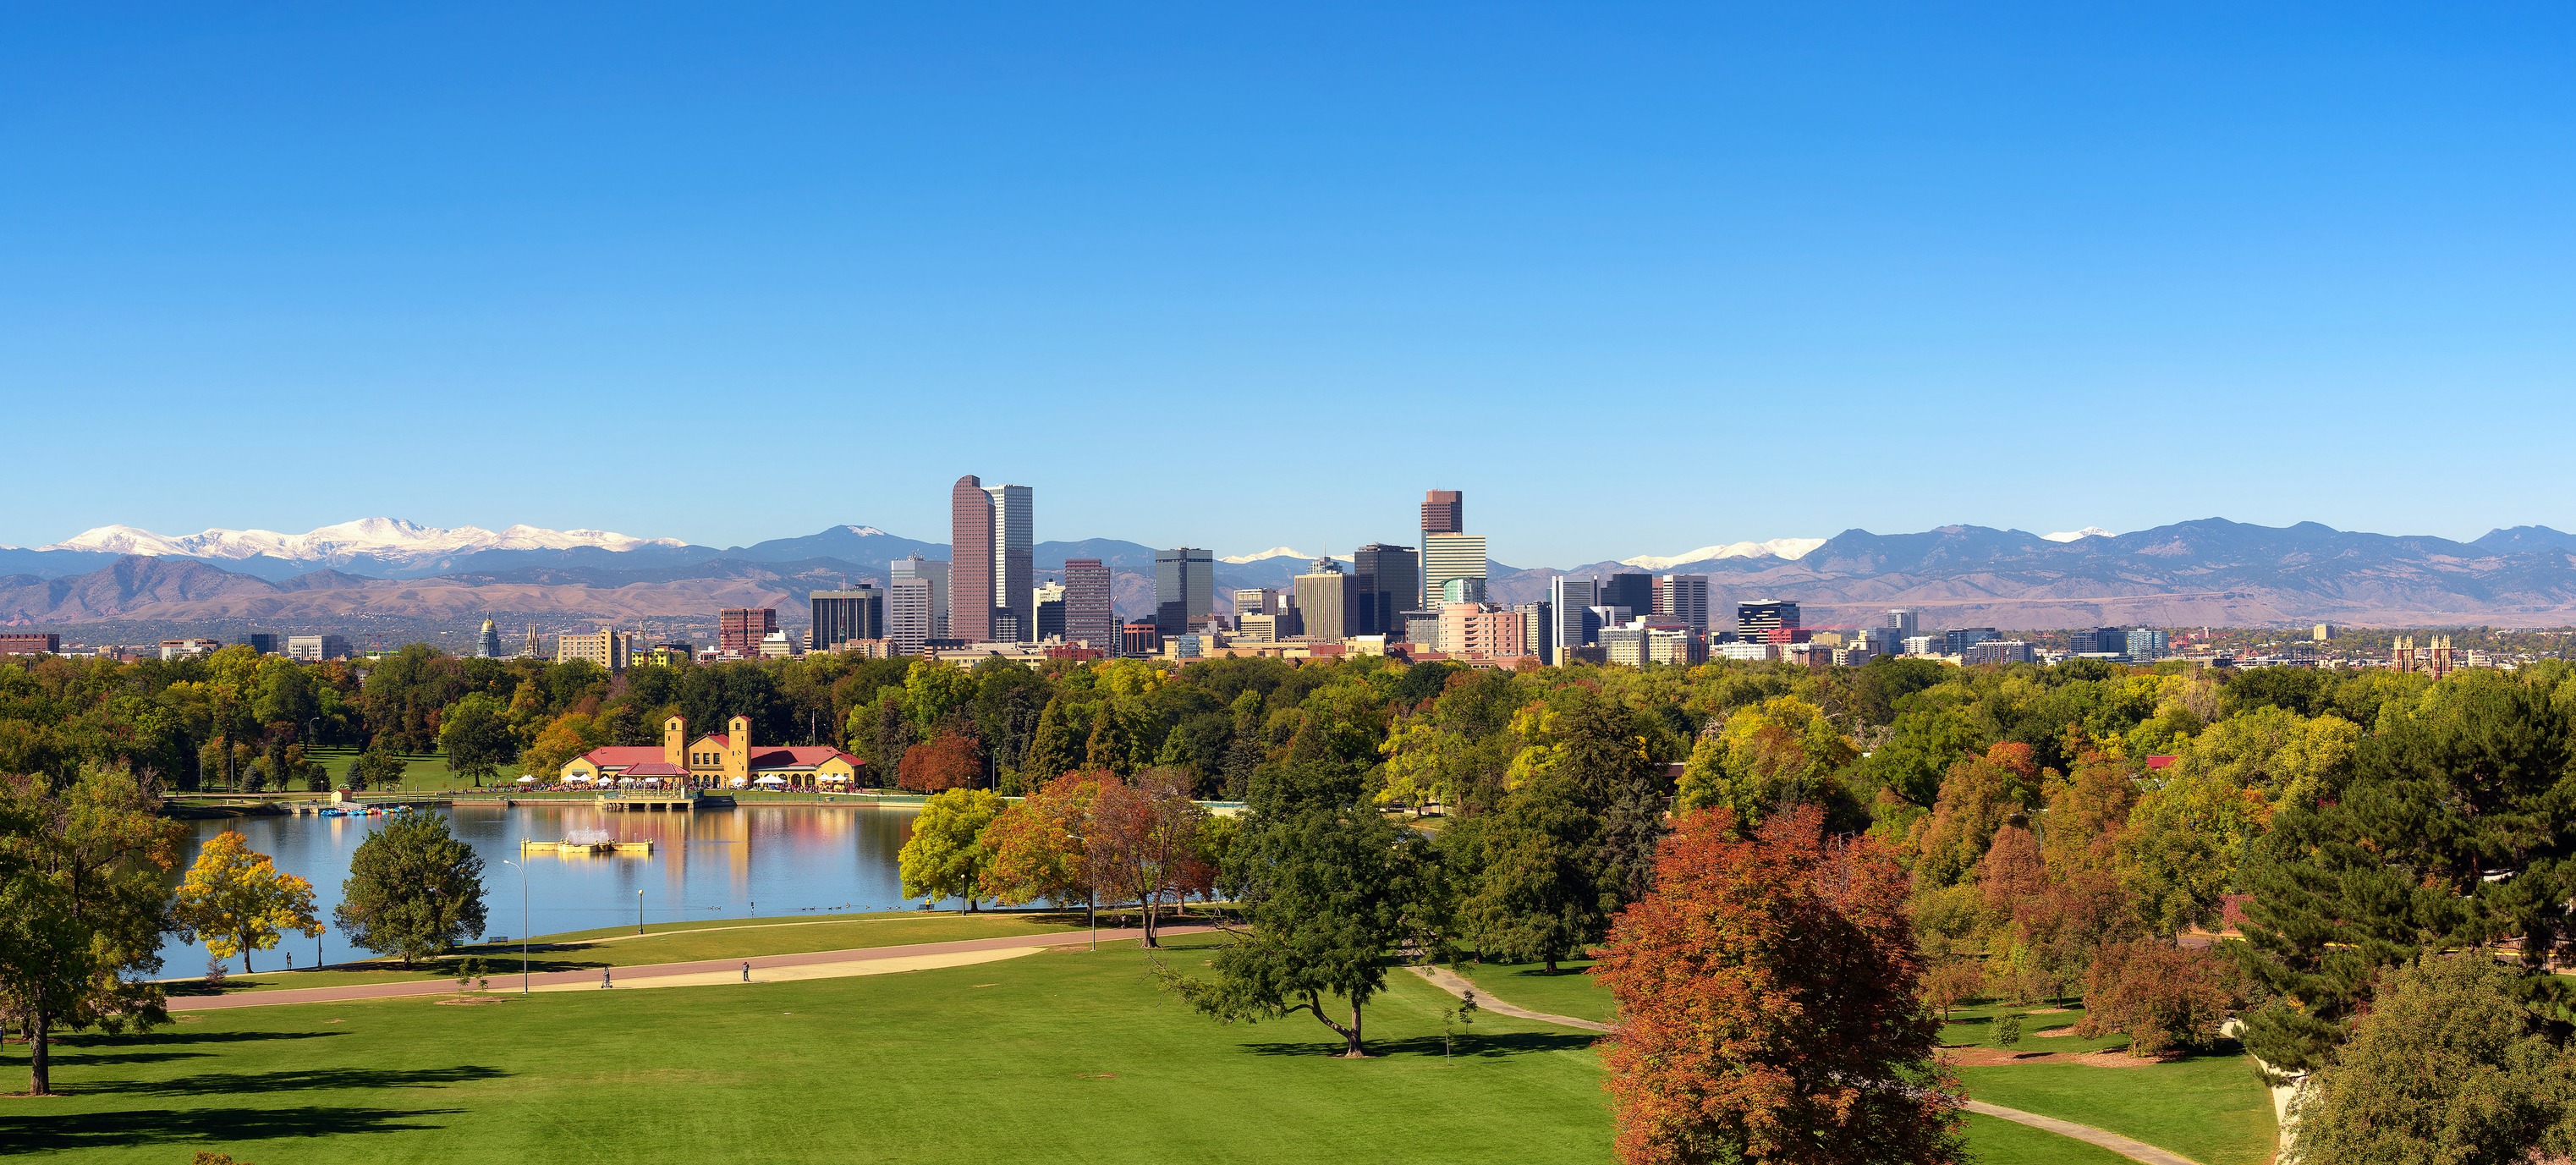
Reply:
x=2131 y=1149
x=2135 y=1150
x=703 y=972
x=1456 y=984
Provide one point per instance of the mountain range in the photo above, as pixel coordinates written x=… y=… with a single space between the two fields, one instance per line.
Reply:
x=2209 y=571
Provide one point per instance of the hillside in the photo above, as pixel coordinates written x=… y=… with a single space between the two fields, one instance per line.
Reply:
x=2210 y=571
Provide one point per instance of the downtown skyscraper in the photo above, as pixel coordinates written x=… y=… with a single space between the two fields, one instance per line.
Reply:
x=991 y=573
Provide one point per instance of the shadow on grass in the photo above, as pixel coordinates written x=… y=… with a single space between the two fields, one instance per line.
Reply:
x=221 y=1126
x=308 y=1080
x=1487 y=1046
x=179 y=1036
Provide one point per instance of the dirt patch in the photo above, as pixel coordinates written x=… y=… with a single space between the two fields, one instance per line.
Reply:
x=2048 y=1011
x=1095 y=1076
x=464 y=1001
x=2052 y=1032
x=1971 y=1056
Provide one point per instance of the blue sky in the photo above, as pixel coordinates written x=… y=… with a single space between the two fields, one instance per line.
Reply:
x=1638 y=278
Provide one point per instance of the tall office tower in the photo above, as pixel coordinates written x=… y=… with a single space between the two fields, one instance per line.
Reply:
x=1014 y=533
x=2149 y=643
x=1328 y=602
x=911 y=613
x=1394 y=575
x=1444 y=511
x=1633 y=591
x=1538 y=626
x=487 y=645
x=1567 y=601
x=1902 y=621
x=1684 y=597
x=1448 y=556
x=1050 y=602
x=936 y=573
x=972 y=564
x=1088 y=615
x=843 y=615
x=739 y=630
x=1184 y=589
x=1770 y=621
x=1256 y=601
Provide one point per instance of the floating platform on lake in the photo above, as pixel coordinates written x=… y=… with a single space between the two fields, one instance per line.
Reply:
x=660 y=800
x=531 y=845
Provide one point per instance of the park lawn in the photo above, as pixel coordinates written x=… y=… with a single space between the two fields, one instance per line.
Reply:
x=2211 y=1109
x=1065 y=1056
x=1996 y=1141
x=1976 y=1025
x=422 y=772
x=1570 y=991
x=731 y=939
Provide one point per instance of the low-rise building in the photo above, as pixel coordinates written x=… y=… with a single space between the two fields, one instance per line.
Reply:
x=30 y=643
x=718 y=760
x=189 y=648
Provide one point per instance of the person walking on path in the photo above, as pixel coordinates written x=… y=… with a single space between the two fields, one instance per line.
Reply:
x=746 y=972
x=605 y=982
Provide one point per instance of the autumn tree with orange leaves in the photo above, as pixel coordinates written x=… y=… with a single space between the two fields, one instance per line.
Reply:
x=1769 y=1007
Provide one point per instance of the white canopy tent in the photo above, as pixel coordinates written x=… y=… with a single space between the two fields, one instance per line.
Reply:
x=770 y=779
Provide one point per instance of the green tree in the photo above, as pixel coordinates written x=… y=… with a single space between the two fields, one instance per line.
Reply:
x=377 y=768
x=1329 y=891
x=2178 y=855
x=413 y=891
x=2447 y=1068
x=1534 y=897
x=236 y=897
x=943 y=858
x=477 y=737
x=2455 y=828
x=83 y=900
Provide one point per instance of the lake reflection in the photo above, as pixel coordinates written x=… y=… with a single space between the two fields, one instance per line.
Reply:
x=712 y=864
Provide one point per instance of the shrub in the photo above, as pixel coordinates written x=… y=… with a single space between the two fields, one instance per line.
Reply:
x=2164 y=997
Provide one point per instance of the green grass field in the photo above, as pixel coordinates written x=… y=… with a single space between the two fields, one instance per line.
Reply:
x=1063 y=1056
x=1570 y=991
x=681 y=942
x=2211 y=1108
x=1057 y=1057
x=425 y=773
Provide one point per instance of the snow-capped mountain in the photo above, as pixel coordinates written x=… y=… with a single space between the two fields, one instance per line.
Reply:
x=1261 y=555
x=1790 y=549
x=383 y=539
x=2072 y=535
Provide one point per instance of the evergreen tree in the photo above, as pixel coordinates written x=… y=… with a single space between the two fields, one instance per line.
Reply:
x=2455 y=828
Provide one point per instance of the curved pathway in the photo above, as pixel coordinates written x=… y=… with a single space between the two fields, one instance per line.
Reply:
x=805 y=965
x=1458 y=985
x=2135 y=1150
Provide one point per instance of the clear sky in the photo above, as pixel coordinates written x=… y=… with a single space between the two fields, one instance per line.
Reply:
x=1637 y=278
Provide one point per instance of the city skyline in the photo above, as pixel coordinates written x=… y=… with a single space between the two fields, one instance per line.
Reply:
x=1835 y=254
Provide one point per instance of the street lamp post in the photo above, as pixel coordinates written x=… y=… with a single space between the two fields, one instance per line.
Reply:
x=639 y=912
x=523 y=922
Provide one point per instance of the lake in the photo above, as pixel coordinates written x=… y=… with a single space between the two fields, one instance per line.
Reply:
x=722 y=863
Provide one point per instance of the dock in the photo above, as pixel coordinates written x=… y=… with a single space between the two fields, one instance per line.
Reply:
x=660 y=800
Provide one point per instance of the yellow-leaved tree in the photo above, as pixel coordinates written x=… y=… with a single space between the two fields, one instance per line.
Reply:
x=236 y=899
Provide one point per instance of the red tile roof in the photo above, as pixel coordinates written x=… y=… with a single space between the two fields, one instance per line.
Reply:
x=622 y=758
x=2160 y=762
x=657 y=767
x=798 y=758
